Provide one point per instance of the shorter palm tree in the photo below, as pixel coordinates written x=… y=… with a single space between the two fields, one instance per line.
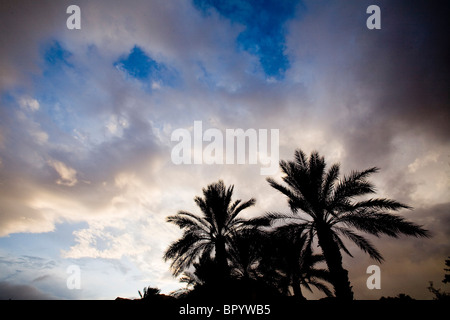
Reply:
x=148 y=293
x=207 y=234
x=204 y=272
x=289 y=264
x=246 y=249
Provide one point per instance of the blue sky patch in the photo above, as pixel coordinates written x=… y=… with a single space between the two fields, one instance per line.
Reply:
x=56 y=56
x=139 y=65
x=264 y=35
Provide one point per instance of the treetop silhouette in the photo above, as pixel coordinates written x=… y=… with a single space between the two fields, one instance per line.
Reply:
x=275 y=249
x=325 y=207
x=209 y=233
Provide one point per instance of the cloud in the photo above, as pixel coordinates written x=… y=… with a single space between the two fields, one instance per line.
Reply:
x=42 y=278
x=86 y=115
x=27 y=277
x=68 y=176
x=409 y=263
x=9 y=291
x=29 y=104
x=373 y=85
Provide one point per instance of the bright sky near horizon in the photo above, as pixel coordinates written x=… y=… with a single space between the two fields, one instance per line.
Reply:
x=86 y=117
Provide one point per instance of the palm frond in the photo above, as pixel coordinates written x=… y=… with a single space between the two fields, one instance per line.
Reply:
x=239 y=208
x=187 y=258
x=301 y=158
x=316 y=172
x=341 y=245
x=186 y=220
x=296 y=200
x=322 y=287
x=286 y=191
x=234 y=205
x=205 y=209
x=359 y=175
x=362 y=243
x=329 y=182
x=269 y=219
x=353 y=185
x=378 y=223
x=295 y=232
x=379 y=203
x=180 y=246
x=322 y=274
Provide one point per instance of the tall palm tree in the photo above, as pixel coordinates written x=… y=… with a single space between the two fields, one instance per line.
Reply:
x=208 y=233
x=330 y=212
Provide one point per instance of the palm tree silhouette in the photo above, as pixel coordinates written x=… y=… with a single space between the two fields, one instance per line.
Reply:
x=209 y=233
x=202 y=274
x=149 y=292
x=289 y=264
x=332 y=212
x=246 y=250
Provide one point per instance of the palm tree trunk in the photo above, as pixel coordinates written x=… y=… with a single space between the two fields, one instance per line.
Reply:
x=333 y=258
x=296 y=288
x=221 y=260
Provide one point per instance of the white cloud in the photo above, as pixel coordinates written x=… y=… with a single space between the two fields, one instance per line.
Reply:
x=117 y=245
x=116 y=125
x=423 y=161
x=29 y=104
x=68 y=176
x=39 y=136
x=156 y=85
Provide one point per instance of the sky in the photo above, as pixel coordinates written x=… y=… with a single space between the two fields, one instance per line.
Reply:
x=87 y=175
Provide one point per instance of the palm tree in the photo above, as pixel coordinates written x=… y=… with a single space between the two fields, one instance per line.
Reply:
x=330 y=212
x=289 y=264
x=203 y=272
x=149 y=292
x=209 y=233
x=246 y=250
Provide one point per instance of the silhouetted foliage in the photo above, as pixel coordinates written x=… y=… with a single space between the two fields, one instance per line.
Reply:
x=438 y=294
x=221 y=254
x=210 y=233
x=447 y=275
x=205 y=270
x=246 y=251
x=149 y=293
x=399 y=297
x=288 y=263
x=324 y=207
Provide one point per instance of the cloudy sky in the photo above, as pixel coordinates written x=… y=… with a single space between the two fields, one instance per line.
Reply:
x=86 y=118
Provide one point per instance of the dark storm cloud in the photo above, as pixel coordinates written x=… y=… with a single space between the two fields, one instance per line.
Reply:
x=380 y=83
x=405 y=66
x=414 y=50
x=23 y=25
